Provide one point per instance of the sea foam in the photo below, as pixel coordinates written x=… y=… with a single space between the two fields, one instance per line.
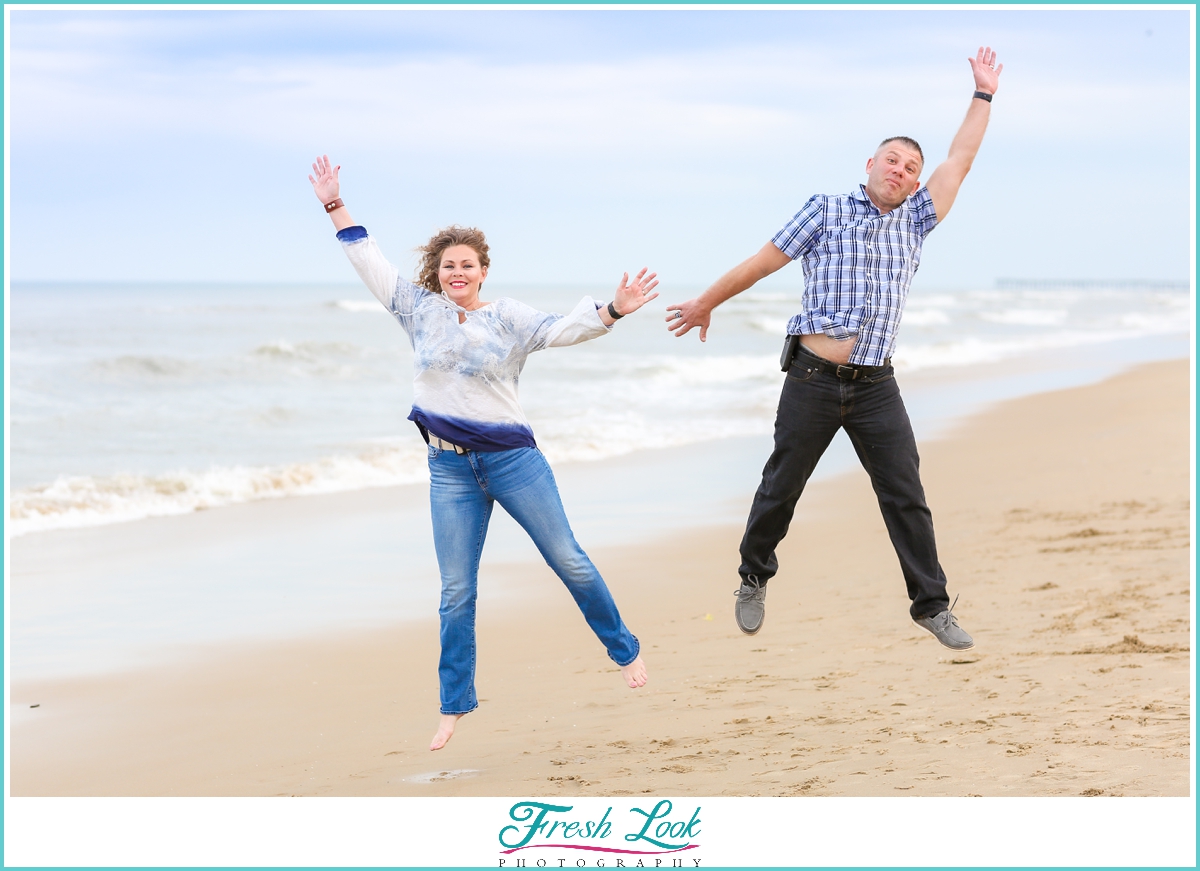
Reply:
x=75 y=501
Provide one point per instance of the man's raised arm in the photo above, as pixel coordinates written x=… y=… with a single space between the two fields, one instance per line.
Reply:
x=944 y=183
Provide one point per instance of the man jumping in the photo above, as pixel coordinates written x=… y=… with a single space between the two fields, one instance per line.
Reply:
x=859 y=252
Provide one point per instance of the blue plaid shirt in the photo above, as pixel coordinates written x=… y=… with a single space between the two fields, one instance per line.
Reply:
x=858 y=265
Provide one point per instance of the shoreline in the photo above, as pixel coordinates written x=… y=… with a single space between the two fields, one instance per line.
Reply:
x=1067 y=518
x=938 y=398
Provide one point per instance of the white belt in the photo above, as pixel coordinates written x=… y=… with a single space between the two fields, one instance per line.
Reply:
x=445 y=445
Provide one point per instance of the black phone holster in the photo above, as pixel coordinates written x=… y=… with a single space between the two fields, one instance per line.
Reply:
x=789 y=352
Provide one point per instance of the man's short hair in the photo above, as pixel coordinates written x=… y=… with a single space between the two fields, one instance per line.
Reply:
x=907 y=142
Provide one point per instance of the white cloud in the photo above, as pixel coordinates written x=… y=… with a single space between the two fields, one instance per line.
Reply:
x=728 y=130
x=697 y=100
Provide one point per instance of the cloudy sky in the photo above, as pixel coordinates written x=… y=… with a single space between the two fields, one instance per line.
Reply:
x=175 y=144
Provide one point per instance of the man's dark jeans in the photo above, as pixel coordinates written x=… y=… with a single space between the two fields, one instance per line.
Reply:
x=812 y=407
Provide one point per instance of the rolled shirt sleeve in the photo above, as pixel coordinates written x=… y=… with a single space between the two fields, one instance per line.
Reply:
x=924 y=215
x=803 y=231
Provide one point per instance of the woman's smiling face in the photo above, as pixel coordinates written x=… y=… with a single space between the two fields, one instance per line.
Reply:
x=461 y=276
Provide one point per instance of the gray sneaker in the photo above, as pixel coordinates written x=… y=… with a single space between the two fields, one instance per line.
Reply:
x=944 y=627
x=751 y=606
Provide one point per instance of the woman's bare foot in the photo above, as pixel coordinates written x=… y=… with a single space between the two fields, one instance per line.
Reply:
x=446 y=729
x=634 y=673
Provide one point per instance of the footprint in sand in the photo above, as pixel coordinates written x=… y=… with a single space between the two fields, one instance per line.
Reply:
x=438 y=776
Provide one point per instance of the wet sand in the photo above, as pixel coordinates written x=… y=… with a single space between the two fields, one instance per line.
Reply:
x=1063 y=521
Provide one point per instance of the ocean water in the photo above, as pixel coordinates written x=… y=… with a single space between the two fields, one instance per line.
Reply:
x=134 y=401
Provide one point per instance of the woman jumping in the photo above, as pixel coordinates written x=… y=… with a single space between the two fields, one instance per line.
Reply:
x=468 y=355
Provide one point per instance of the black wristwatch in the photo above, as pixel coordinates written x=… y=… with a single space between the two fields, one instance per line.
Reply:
x=613 y=313
x=980 y=95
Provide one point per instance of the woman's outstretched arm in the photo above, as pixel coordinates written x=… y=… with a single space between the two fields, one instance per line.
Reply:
x=372 y=267
x=326 y=187
x=589 y=319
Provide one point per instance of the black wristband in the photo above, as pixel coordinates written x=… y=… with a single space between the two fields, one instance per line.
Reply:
x=980 y=95
x=612 y=312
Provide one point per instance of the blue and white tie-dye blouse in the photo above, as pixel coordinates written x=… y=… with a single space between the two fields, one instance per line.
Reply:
x=465 y=384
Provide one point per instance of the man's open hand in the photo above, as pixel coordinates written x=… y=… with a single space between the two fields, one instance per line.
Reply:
x=986 y=70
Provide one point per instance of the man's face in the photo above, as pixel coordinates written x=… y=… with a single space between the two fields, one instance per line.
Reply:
x=893 y=175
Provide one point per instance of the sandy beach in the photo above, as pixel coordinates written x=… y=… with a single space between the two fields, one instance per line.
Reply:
x=1063 y=522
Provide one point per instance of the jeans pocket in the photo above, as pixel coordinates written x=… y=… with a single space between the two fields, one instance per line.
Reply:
x=881 y=377
x=800 y=372
x=434 y=453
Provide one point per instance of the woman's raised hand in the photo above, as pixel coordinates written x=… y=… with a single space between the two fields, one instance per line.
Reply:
x=325 y=182
x=631 y=296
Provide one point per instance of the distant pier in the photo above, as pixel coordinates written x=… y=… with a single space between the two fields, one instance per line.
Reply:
x=1089 y=284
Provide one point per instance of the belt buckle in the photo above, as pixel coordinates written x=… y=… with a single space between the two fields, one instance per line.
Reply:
x=445 y=445
x=853 y=373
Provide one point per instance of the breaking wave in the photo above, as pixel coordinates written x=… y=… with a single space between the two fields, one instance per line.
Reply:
x=74 y=501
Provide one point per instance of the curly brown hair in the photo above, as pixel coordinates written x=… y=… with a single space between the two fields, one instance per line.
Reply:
x=431 y=253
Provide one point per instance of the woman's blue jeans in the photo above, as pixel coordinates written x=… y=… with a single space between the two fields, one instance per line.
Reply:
x=462 y=490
